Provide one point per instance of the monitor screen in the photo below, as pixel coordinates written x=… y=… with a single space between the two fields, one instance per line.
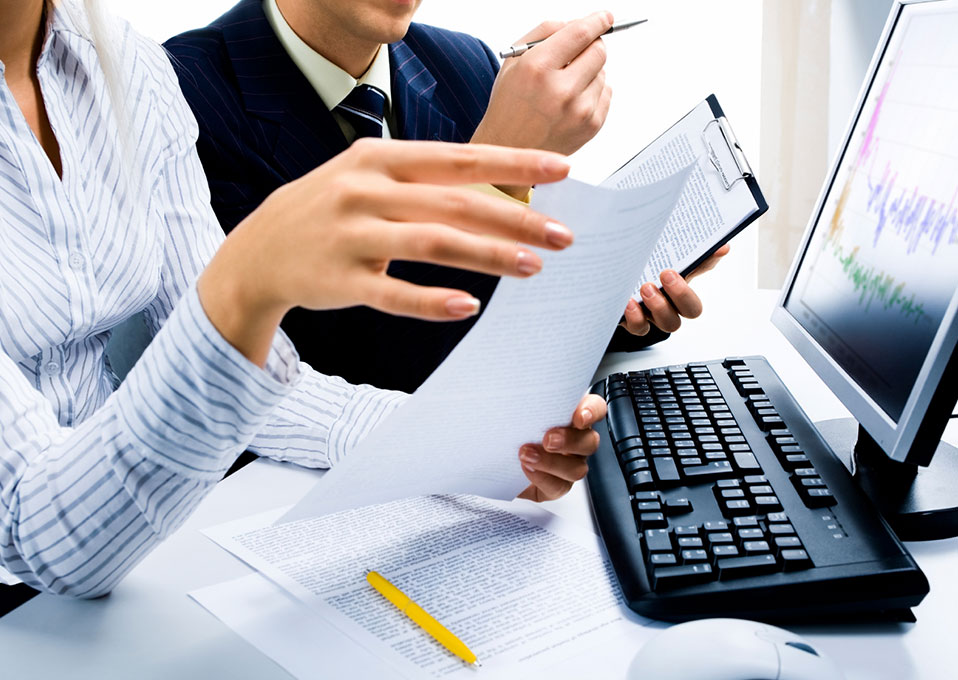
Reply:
x=880 y=268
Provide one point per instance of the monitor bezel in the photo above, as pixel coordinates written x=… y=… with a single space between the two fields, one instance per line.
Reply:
x=914 y=438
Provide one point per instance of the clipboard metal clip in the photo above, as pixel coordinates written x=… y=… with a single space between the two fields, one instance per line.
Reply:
x=743 y=169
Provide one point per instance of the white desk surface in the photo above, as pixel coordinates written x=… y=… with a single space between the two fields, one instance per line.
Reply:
x=149 y=628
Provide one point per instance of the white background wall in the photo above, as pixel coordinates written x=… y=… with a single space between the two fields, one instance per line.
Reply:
x=658 y=71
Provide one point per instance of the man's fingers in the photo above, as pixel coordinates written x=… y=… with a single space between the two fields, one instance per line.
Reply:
x=467 y=209
x=586 y=67
x=663 y=314
x=571 y=440
x=449 y=163
x=422 y=302
x=536 y=460
x=684 y=299
x=540 y=32
x=635 y=320
x=590 y=410
x=710 y=263
x=571 y=40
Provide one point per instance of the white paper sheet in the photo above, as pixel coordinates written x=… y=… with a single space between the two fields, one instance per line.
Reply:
x=707 y=211
x=521 y=369
x=8 y=579
x=523 y=588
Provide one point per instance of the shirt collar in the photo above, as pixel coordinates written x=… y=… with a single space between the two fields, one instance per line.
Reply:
x=331 y=83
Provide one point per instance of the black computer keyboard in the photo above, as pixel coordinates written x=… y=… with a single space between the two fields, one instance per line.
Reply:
x=716 y=496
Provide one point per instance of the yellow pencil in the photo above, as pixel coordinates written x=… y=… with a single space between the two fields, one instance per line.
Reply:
x=421 y=618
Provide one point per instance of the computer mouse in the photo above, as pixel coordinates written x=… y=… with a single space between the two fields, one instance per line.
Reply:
x=730 y=649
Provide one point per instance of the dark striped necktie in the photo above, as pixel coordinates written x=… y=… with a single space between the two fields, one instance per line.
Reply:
x=363 y=108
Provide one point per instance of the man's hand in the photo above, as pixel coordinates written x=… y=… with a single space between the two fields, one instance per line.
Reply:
x=554 y=97
x=560 y=460
x=663 y=313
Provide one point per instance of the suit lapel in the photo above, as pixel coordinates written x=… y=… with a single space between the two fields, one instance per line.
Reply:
x=413 y=86
x=302 y=131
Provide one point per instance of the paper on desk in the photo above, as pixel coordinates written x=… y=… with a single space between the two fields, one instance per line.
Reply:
x=519 y=585
x=8 y=579
x=706 y=210
x=521 y=369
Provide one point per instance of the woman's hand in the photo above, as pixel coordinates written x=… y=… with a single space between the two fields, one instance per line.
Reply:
x=326 y=240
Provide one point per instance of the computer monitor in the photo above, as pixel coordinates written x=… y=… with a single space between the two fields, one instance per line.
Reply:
x=871 y=302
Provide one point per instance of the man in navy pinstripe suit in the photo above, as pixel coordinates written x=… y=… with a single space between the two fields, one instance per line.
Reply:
x=267 y=81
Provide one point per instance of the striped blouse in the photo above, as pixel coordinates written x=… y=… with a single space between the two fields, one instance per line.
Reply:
x=94 y=473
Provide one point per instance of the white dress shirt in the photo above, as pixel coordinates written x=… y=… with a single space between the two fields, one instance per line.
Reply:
x=332 y=83
x=93 y=474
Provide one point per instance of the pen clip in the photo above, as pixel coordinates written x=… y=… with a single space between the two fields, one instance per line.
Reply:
x=734 y=149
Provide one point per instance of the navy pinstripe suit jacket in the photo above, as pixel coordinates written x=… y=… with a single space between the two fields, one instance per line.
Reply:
x=262 y=125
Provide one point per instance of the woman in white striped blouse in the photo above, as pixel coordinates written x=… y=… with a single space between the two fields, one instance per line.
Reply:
x=96 y=226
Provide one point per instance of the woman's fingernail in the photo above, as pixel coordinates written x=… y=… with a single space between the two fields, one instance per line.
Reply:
x=586 y=415
x=558 y=235
x=553 y=441
x=462 y=305
x=529 y=455
x=648 y=291
x=668 y=277
x=553 y=164
x=632 y=306
x=527 y=263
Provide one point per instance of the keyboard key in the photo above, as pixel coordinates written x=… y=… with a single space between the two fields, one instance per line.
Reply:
x=745 y=460
x=777 y=517
x=777 y=529
x=819 y=498
x=632 y=454
x=752 y=565
x=725 y=551
x=728 y=483
x=756 y=479
x=645 y=496
x=621 y=417
x=747 y=534
x=745 y=522
x=718 y=525
x=663 y=559
x=755 y=547
x=811 y=482
x=665 y=578
x=665 y=470
x=689 y=542
x=806 y=472
x=649 y=506
x=735 y=508
x=678 y=506
x=698 y=555
x=719 y=537
x=794 y=559
x=652 y=520
x=687 y=530
x=709 y=470
x=658 y=540
x=640 y=480
x=729 y=494
x=761 y=490
x=767 y=503
x=636 y=465
x=783 y=542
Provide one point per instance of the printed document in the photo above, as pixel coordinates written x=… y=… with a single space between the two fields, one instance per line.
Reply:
x=707 y=211
x=520 y=586
x=522 y=368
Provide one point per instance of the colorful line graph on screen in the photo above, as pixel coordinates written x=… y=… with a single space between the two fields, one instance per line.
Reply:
x=887 y=207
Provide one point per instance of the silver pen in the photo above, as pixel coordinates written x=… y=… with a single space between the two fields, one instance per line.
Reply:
x=517 y=50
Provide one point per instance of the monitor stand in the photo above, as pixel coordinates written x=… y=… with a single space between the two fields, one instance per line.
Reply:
x=920 y=503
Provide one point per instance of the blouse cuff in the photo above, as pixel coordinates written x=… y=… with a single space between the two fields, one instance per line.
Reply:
x=193 y=402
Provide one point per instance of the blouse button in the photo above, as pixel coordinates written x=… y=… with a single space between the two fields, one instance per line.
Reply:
x=77 y=261
x=52 y=367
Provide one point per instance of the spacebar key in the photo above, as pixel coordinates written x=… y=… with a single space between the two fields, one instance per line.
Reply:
x=721 y=468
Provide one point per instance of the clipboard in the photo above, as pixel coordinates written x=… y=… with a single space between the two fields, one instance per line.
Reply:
x=721 y=157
